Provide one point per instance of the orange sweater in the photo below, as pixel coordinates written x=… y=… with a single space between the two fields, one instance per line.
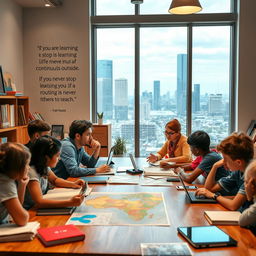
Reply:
x=182 y=152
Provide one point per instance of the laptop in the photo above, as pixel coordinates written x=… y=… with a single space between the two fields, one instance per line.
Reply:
x=196 y=199
x=109 y=161
x=206 y=236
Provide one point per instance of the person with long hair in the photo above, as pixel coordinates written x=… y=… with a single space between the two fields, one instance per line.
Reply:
x=14 y=166
x=45 y=155
x=175 y=149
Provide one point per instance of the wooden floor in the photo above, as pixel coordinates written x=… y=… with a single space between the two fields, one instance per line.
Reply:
x=125 y=240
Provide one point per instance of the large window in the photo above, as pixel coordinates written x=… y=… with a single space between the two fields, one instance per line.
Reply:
x=150 y=69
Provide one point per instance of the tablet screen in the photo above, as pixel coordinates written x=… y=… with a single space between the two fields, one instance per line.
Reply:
x=206 y=235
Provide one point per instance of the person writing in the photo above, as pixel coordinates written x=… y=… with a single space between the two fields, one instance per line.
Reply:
x=45 y=155
x=73 y=154
x=175 y=149
x=14 y=166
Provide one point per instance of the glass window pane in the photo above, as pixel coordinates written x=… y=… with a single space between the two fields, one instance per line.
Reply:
x=161 y=7
x=115 y=81
x=211 y=76
x=114 y=7
x=163 y=68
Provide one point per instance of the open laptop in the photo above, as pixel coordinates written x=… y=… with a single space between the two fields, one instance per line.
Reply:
x=109 y=161
x=135 y=169
x=196 y=199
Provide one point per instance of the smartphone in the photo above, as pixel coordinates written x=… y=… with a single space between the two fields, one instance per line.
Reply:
x=83 y=189
x=187 y=187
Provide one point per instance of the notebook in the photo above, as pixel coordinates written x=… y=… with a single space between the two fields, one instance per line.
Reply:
x=95 y=179
x=157 y=171
x=206 y=236
x=60 y=235
x=222 y=217
x=196 y=199
x=55 y=211
x=13 y=233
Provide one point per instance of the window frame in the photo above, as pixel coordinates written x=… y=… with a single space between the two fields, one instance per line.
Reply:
x=138 y=21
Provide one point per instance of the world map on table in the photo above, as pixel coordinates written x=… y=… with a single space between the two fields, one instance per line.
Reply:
x=126 y=209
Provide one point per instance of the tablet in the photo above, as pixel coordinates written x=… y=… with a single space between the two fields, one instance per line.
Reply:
x=206 y=236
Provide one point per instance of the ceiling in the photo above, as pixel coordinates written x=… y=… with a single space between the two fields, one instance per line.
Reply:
x=37 y=3
x=30 y=3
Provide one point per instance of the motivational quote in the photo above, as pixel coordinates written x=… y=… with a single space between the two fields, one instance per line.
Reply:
x=57 y=74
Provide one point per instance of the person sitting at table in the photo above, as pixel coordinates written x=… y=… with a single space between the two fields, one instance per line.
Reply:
x=199 y=143
x=14 y=166
x=237 y=152
x=175 y=149
x=36 y=129
x=45 y=155
x=73 y=153
x=248 y=217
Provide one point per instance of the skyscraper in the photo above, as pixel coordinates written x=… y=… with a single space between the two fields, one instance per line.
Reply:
x=121 y=99
x=215 y=104
x=105 y=88
x=196 y=98
x=181 y=83
x=156 y=101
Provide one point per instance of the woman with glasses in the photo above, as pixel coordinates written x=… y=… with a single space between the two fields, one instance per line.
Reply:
x=175 y=149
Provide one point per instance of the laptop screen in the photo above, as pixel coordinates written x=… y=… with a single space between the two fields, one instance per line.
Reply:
x=110 y=155
x=133 y=162
x=183 y=184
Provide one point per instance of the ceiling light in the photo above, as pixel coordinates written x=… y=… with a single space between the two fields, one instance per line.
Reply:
x=137 y=1
x=47 y=5
x=185 y=6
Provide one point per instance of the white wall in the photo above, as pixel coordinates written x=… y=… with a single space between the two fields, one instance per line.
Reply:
x=11 y=41
x=54 y=27
x=247 y=64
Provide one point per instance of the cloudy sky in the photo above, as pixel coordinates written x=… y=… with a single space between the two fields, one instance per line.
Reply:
x=160 y=47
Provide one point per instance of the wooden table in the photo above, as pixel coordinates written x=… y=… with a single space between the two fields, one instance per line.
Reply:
x=125 y=240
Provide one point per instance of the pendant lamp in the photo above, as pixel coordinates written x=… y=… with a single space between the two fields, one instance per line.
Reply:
x=185 y=6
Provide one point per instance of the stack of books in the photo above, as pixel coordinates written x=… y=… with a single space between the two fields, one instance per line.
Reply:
x=157 y=171
x=14 y=233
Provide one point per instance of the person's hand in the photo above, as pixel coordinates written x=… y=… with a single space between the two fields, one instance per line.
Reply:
x=95 y=144
x=24 y=181
x=152 y=158
x=165 y=164
x=103 y=168
x=219 y=164
x=78 y=183
x=76 y=200
x=205 y=192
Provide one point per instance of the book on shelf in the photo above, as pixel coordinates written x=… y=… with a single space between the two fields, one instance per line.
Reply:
x=157 y=171
x=3 y=140
x=21 y=115
x=14 y=93
x=222 y=217
x=4 y=121
x=60 y=235
x=13 y=233
x=35 y=116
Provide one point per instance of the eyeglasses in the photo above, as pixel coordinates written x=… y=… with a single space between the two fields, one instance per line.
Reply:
x=169 y=133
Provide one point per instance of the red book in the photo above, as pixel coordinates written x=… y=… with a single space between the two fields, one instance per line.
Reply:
x=60 y=235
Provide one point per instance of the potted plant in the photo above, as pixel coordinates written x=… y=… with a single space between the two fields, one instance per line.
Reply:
x=100 y=118
x=119 y=146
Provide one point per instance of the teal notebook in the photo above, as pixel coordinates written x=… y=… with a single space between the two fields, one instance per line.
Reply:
x=96 y=179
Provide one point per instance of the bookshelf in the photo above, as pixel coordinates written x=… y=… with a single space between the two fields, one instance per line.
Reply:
x=102 y=133
x=14 y=118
